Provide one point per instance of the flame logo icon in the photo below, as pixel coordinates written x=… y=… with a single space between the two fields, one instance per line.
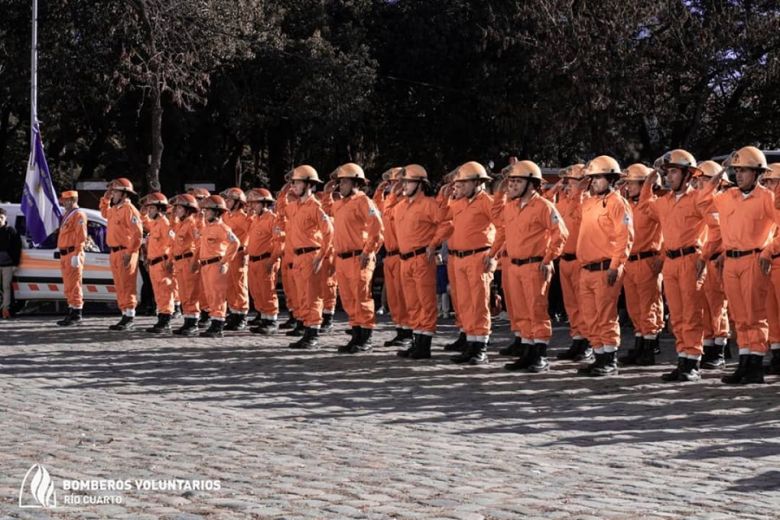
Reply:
x=41 y=489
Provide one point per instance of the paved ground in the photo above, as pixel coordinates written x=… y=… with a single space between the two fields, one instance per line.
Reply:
x=321 y=435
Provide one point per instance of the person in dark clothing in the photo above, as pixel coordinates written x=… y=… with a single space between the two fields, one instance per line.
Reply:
x=10 y=254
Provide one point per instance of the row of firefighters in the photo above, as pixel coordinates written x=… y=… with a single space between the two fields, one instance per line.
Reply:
x=707 y=237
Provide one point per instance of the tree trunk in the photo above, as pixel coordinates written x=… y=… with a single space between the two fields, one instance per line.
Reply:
x=153 y=170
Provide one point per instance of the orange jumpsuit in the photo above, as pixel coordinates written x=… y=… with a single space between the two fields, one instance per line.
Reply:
x=746 y=222
x=158 y=254
x=568 y=267
x=218 y=247
x=716 y=314
x=70 y=242
x=773 y=296
x=123 y=235
x=641 y=285
x=184 y=249
x=238 y=286
x=200 y=222
x=174 y=221
x=452 y=287
x=310 y=234
x=416 y=222
x=285 y=209
x=392 y=262
x=264 y=249
x=683 y=225
x=357 y=228
x=533 y=234
x=467 y=226
x=605 y=239
x=328 y=283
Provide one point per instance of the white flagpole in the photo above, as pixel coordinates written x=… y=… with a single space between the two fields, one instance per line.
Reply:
x=34 y=78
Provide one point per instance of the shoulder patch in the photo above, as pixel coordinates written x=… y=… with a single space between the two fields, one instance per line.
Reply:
x=134 y=219
x=555 y=216
x=627 y=218
x=232 y=237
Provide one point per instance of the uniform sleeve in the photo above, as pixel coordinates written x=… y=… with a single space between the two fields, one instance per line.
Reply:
x=647 y=203
x=623 y=228
x=499 y=222
x=771 y=214
x=80 y=231
x=233 y=244
x=325 y=225
x=445 y=228
x=376 y=228
x=105 y=205
x=558 y=234
x=134 y=229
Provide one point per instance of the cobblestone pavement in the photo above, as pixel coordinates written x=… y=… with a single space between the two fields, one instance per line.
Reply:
x=323 y=435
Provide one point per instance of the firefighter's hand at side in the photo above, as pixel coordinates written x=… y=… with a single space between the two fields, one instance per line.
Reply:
x=364 y=260
x=223 y=268
x=765 y=264
x=430 y=253
x=74 y=261
x=700 y=268
x=547 y=270
x=489 y=263
x=612 y=276
x=317 y=264
x=126 y=260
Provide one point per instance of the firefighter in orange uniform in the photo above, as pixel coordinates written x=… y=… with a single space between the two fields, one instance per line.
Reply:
x=467 y=226
x=184 y=250
x=357 y=236
x=683 y=220
x=533 y=233
x=642 y=276
x=264 y=249
x=285 y=209
x=123 y=235
x=569 y=269
x=386 y=197
x=218 y=247
x=417 y=216
x=70 y=243
x=771 y=179
x=200 y=195
x=605 y=239
x=310 y=233
x=158 y=258
x=716 y=315
x=747 y=219
x=238 y=288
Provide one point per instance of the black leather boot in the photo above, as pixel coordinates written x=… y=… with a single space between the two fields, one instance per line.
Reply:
x=539 y=362
x=176 y=311
x=774 y=363
x=713 y=357
x=608 y=366
x=298 y=330
x=407 y=352
x=423 y=347
x=398 y=340
x=238 y=321
x=515 y=349
x=126 y=323
x=459 y=345
x=163 y=324
x=650 y=347
x=266 y=327
x=674 y=375
x=364 y=342
x=205 y=319
x=574 y=350
x=586 y=354
x=309 y=341
x=736 y=377
x=190 y=327
x=690 y=370
x=290 y=323
x=73 y=318
x=755 y=371
x=256 y=321
x=354 y=338
x=525 y=361
x=479 y=354
x=597 y=363
x=214 y=330
x=327 y=323
x=633 y=354
x=467 y=353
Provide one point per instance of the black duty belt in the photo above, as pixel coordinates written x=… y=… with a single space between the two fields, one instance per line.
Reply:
x=597 y=266
x=776 y=255
x=410 y=254
x=67 y=250
x=735 y=253
x=211 y=260
x=464 y=253
x=155 y=261
x=677 y=253
x=349 y=254
x=304 y=250
x=188 y=254
x=259 y=257
x=117 y=248
x=529 y=260
x=568 y=257
x=715 y=257
x=394 y=252
x=642 y=255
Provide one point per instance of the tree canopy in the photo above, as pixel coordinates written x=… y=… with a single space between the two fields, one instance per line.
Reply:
x=239 y=91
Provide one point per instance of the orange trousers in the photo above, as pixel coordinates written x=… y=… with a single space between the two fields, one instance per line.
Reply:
x=262 y=286
x=773 y=304
x=529 y=290
x=354 y=286
x=395 y=294
x=288 y=285
x=162 y=284
x=418 y=278
x=510 y=307
x=454 y=293
x=643 y=296
x=598 y=307
x=238 y=285
x=746 y=289
x=176 y=295
x=308 y=285
x=328 y=285
x=203 y=298
x=716 y=309
x=470 y=287
x=189 y=287
x=71 y=280
x=215 y=286
x=125 y=279
x=569 y=271
x=685 y=297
